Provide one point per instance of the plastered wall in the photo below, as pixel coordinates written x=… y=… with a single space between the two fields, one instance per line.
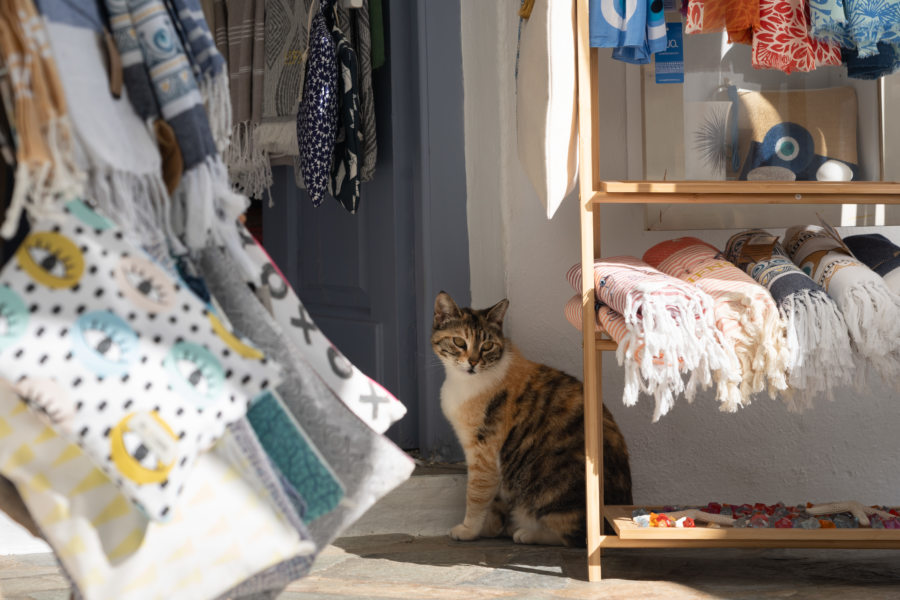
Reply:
x=842 y=450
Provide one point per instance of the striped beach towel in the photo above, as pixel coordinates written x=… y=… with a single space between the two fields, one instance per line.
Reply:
x=871 y=310
x=879 y=254
x=745 y=313
x=821 y=358
x=669 y=330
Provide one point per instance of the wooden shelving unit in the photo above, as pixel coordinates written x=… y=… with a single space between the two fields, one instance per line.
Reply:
x=593 y=195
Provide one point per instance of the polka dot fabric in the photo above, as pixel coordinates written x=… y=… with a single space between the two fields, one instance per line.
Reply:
x=120 y=357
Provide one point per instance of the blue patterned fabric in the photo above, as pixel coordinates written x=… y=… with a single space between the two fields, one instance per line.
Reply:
x=872 y=21
x=875 y=251
x=317 y=114
x=198 y=42
x=635 y=29
x=295 y=456
x=828 y=22
x=134 y=71
x=887 y=61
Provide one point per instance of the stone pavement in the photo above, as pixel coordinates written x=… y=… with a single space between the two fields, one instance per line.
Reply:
x=403 y=567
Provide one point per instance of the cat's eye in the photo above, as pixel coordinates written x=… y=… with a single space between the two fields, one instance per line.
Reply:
x=460 y=342
x=487 y=346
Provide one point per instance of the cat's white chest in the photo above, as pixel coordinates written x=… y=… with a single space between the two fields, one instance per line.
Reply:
x=459 y=387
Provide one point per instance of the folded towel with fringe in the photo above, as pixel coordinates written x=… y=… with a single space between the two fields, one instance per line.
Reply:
x=821 y=358
x=745 y=313
x=871 y=310
x=45 y=163
x=667 y=329
x=879 y=254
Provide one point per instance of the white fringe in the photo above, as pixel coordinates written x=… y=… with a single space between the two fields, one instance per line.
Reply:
x=217 y=102
x=872 y=314
x=762 y=348
x=248 y=165
x=821 y=358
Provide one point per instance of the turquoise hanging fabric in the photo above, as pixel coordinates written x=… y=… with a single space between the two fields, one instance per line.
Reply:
x=635 y=29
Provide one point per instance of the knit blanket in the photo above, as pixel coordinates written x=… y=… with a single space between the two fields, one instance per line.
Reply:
x=45 y=163
x=871 y=310
x=664 y=328
x=204 y=208
x=737 y=17
x=744 y=310
x=821 y=358
x=879 y=254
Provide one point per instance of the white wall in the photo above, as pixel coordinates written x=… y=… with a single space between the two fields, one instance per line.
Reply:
x=844 y=450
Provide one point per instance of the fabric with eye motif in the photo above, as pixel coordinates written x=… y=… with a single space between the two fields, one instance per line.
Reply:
x=818 y=340
x=671 y=331
x=871 y=310
x=121 y=358
x=744 y=311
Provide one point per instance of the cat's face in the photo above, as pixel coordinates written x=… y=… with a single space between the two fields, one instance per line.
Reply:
x=466 y=340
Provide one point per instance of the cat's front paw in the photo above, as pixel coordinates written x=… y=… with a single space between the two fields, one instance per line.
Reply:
x=463 y=533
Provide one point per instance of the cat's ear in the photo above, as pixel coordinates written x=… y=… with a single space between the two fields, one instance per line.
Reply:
x=496 y=313
x=444 y=309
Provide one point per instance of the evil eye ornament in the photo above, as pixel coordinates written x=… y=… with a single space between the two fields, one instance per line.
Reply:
x=104 y=343
x=143 y=448
x=145 y=284
x=46 y=396
x=13 y=317
x=51 y=259
x=194 y=373
x=232 y=341
x=86 y=215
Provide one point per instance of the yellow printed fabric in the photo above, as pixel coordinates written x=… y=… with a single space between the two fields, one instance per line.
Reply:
x=111 y=550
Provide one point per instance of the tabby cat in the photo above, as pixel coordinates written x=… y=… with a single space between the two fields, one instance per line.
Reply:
x=521 y=425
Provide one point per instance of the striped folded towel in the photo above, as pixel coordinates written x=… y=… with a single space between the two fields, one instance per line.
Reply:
x=664 y=327
x=744 y=310
x=879 y=254
x=821 y=358
x=871 y=310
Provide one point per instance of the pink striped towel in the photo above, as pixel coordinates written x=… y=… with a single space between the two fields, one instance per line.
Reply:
x=664 y=327
x=744 y=311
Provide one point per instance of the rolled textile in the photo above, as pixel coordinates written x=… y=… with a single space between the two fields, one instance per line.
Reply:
x=664 y=317
x=821 y=358
x=782 y=40
x=871 y=310
x=879 y=254
x=737 y=17
x=745 y=312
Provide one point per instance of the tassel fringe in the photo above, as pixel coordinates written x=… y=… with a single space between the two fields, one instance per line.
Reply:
x=248 y=164
x=871 y=312
x=217 y=102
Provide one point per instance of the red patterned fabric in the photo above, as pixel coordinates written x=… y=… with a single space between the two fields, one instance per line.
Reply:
x=782 y=39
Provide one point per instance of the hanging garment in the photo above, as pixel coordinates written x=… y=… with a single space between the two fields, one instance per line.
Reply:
x=120 y=357
x=364 y=52
x=886 y=62
x=745 y=313
x=870 y=22
x=240 y=35
x=738 y=17
x=343 y=183
x=203 y=205
x=230 y=508
x=367 y=464
x=546 y=107
x=377 y=29
x=45 y=163
x=670 y=330
x=828 y=22
x=117 y=151
x=818 y=341
x=377 y=407
x=870 y=309
x=782 y=39
x=208 y=66
x=879 y=254
x=634 y=29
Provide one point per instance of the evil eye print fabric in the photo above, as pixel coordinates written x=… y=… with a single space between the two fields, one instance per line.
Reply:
x=376 y=406
x=121 y=357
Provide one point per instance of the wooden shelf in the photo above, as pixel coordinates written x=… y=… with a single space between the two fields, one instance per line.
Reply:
x=750 y=187
x=630 y=535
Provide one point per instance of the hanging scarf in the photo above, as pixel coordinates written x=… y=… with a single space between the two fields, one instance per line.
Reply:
x=240 y=36
x=870 y=309
x=745 y=312
x=203 y=204
x=208 y=66
x=879 y=254
x=635 y=30
x=818 y=341
x=343 y=184
x=365 y=53
x=872 y=21
x=46 y=170
x=738 y=17
x=669 y=330
x=782 y=39
x=887 y=61
x=828 y=22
